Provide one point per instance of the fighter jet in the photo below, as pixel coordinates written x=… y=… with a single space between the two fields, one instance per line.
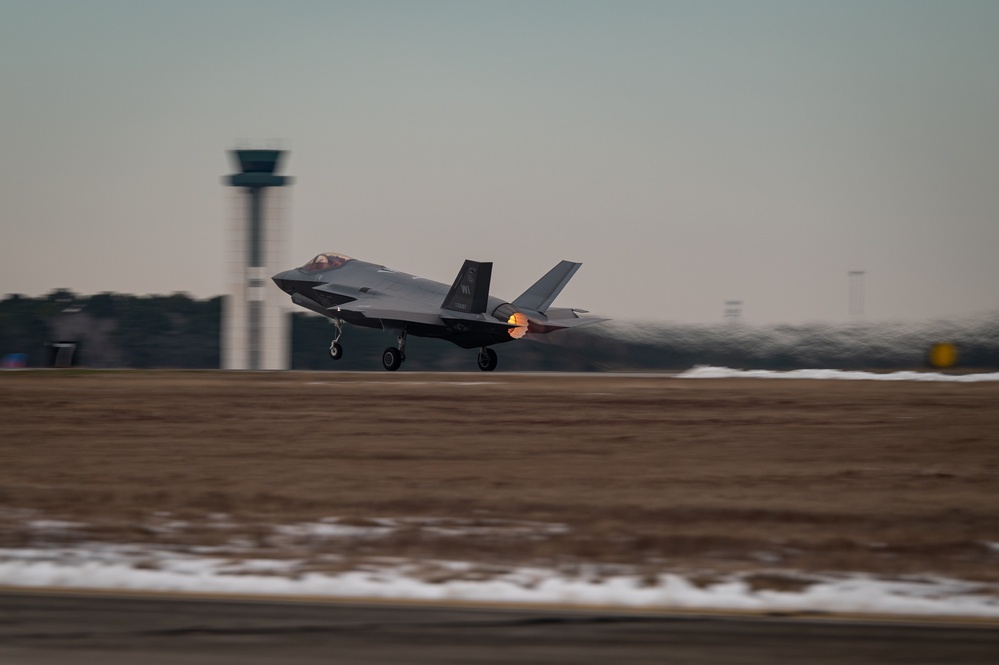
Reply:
x=373 y=296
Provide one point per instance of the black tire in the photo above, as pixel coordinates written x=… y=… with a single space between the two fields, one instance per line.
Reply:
x=487 y=360
x=336 y=351
x=392 y=359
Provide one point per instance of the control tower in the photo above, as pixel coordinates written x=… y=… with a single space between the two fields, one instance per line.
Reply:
x=255 y=323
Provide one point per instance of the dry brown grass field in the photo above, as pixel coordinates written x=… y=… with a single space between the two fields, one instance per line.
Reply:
x=652 y=473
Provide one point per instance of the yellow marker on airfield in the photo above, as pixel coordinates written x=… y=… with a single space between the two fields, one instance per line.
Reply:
x=943 y=355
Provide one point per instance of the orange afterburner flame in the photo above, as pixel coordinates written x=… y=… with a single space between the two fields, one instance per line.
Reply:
x=520 y=320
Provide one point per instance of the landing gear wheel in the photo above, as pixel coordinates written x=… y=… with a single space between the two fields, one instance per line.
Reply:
x=336 y=351
x=487 y=359
x=392 y=359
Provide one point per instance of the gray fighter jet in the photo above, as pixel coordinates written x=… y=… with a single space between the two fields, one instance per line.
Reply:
x=373 y=296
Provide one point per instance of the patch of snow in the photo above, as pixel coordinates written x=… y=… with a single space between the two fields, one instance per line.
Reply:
x=133 y=567
x=54 y=526
x=708 y=372
x=330 y=529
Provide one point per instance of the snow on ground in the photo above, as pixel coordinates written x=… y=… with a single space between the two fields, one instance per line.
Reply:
x=708 y=372
x=378 y=527
x=133 y=567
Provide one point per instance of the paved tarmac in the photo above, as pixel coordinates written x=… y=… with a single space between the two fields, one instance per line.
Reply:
x=56 y=628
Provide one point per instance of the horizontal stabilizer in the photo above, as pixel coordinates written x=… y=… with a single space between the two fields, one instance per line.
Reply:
x=470 y=292
x=558 y=318
x=540 y=296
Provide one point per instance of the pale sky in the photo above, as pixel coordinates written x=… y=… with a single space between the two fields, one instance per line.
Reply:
x=688 y=153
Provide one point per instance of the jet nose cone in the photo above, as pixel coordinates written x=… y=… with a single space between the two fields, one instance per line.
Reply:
x=282 y=282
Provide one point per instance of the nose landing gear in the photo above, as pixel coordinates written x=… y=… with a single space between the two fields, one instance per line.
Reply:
x=336 y=351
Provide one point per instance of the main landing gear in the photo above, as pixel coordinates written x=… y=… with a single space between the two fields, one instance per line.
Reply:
x=392 y=358
x=487 y=359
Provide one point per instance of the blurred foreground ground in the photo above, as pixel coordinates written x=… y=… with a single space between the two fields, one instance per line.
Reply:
x=652 y=474
x=93 y=629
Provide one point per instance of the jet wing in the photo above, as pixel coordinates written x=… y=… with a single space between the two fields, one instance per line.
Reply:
x=391 y=309
x=462 y=309
x=407 y=311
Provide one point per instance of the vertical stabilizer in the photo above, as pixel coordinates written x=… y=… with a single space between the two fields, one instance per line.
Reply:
x=540 y=296
x=470 y=291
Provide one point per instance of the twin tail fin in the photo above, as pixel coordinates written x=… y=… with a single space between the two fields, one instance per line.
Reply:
x=470 y=292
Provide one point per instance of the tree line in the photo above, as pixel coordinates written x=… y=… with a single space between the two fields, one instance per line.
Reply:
x=178 y=331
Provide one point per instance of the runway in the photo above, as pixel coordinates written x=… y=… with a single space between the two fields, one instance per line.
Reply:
x=83 y=629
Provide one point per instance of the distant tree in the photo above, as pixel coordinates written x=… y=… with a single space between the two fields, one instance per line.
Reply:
x=24 y=328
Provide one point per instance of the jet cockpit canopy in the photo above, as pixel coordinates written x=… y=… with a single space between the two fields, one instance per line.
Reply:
x=325 y=261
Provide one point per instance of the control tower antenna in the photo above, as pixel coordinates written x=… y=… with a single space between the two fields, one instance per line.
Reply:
x=733 y=311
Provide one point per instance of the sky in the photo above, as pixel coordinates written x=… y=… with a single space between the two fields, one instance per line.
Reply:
x=687 y=153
